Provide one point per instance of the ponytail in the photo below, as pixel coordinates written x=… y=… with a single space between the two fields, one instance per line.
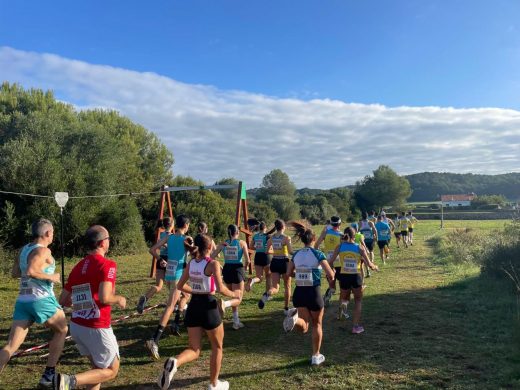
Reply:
x=232 y=230
x=303 y=231
x=199 y=246
x=349 y=234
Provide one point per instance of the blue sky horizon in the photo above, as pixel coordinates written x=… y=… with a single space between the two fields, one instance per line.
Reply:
x=350 y=85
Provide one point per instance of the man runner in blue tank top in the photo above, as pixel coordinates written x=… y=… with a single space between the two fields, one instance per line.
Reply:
x=36 y=301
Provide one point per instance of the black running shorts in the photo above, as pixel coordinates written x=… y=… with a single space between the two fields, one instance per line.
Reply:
x=233 y=273
x=262 y=259
x=308 y=297
x=202 y=312
x=279 y=265
x=350 y=281
x=370 y=245
x=381 y=244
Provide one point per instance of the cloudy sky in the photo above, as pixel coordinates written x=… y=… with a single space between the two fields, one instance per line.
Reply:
x=230 y=108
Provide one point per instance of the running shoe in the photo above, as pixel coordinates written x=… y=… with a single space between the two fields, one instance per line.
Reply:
x=357 y=329
x=237 y=325
x=368 y=274
x=290 y=321
x=221 y=385
x=170 y=368
x=61 y=382
x=142 y=304
x=221 y=305
x=327 y=297
x=263 y=300
x=46 y=380
x=316 y=360
x=152 y=346
x=175 y=329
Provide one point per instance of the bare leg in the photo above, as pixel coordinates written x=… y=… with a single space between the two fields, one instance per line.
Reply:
x=159 y=283
x=267 y=272
x=317 y=331
x=92 y=379
x=193 y=351
x=304 y=316
x=17 y=336
x=287 y=289
x=358 y=296
x=275 y=286
x=173 y=297
x=58 y=324
x=216 y=338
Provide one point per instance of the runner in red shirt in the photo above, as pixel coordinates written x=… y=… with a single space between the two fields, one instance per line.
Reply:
x=90 y=290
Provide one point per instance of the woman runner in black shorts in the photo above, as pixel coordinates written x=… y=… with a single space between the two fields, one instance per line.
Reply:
x=307 y=300
x=201 y=278
x=262 y=257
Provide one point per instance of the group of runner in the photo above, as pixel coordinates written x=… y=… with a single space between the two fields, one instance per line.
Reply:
x=347 y=258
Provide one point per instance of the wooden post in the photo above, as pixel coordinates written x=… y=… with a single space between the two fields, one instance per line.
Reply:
x=165 y=201
x=244 y=227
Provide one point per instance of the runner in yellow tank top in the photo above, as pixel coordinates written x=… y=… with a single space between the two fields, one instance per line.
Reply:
x=280 y=245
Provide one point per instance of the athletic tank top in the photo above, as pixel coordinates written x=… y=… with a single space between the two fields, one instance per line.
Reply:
x=331 y=241
x=260 y=242
x=164 y=248
x=307 y=267
x=176 y=254
x=233 y=252
x=403 y=224
x=366 y=231
x=32 y=289
x=349 y=258
x=383 y=231
x=279 y=248
x=199 y=282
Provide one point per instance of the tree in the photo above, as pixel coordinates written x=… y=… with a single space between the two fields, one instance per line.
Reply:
x=276 y=182
x=488 y=201
x=384 y=188
x=286 y=208
x=231 y=193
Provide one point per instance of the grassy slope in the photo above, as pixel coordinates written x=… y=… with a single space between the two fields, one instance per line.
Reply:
x=426 y=327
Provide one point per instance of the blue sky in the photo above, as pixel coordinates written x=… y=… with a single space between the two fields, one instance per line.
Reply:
x=250 y=60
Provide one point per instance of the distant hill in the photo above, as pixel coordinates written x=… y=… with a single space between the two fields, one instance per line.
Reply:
x=428 y=186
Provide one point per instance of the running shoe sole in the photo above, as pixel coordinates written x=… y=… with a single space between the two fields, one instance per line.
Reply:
x=167 y=374
x=149 y=344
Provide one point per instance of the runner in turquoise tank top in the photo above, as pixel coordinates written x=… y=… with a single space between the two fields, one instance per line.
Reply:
x=262 y=257
x=36 y=301
x=177 y=257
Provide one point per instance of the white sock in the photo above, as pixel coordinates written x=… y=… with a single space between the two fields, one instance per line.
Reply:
x=235 y=317
x=344 y=306
x=253 y=281
x=227 y=304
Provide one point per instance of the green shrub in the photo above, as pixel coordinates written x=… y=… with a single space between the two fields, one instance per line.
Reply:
x=460 y=246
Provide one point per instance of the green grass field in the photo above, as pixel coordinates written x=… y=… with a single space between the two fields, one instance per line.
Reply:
x=427 y=327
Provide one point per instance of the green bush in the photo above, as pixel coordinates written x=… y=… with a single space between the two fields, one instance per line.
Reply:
x=461 y=246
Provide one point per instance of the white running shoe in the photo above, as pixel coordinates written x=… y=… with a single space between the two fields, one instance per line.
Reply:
x=316 y=360
x=221 y=385
x=290 y=321
x=153 y=348
x=170 y=368
x=237 y=325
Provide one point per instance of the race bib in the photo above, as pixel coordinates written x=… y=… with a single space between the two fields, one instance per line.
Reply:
x=25 y=286
x=171 y=268
x=231 y=253
x=350 y=266
x=259 y=245
x=367 y=234
x=304 y=277
x=197 y=285
x=277 y=244
x=82 y=297
x=385 y=232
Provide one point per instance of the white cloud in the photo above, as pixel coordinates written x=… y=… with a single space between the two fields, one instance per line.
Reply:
x=320 y=143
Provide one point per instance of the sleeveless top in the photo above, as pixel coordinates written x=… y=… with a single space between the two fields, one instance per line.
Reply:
x=331 y=241
x=233 y=252
x=199 y=282
x=366 y=231
x=260 y=242
x=164 y=248
x=32 y=289
x=383 y=231
x=350 y=258
x=279 y=248
x=176 y=256
x=307 y=267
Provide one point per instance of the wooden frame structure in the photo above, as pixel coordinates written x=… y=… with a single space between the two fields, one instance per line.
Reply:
x=241 y=215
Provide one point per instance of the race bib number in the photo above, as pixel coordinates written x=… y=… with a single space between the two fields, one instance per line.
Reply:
x=231 y=253
x=197 y=285
x=367 y=234
x=303 y=277
x=277 y=244
x=25 y=286
x=171 y=268
x=350 y=266
x=259 y=244
x=82 y=297
x=385 y=232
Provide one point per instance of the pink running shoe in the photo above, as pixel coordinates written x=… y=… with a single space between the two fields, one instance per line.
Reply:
x=357 y=329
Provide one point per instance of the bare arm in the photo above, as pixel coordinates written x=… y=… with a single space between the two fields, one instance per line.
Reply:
x=334 y=255
x=107 y=295
x=154 y=249
x=37 y=260
x=290 y=268
x=181 y=284
x=289 y=244
x=321 y=238
x=366 y=260
x=65 y=298
x=328 y=269
x=217 y=251
x=374 y=230
x=246 y=253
